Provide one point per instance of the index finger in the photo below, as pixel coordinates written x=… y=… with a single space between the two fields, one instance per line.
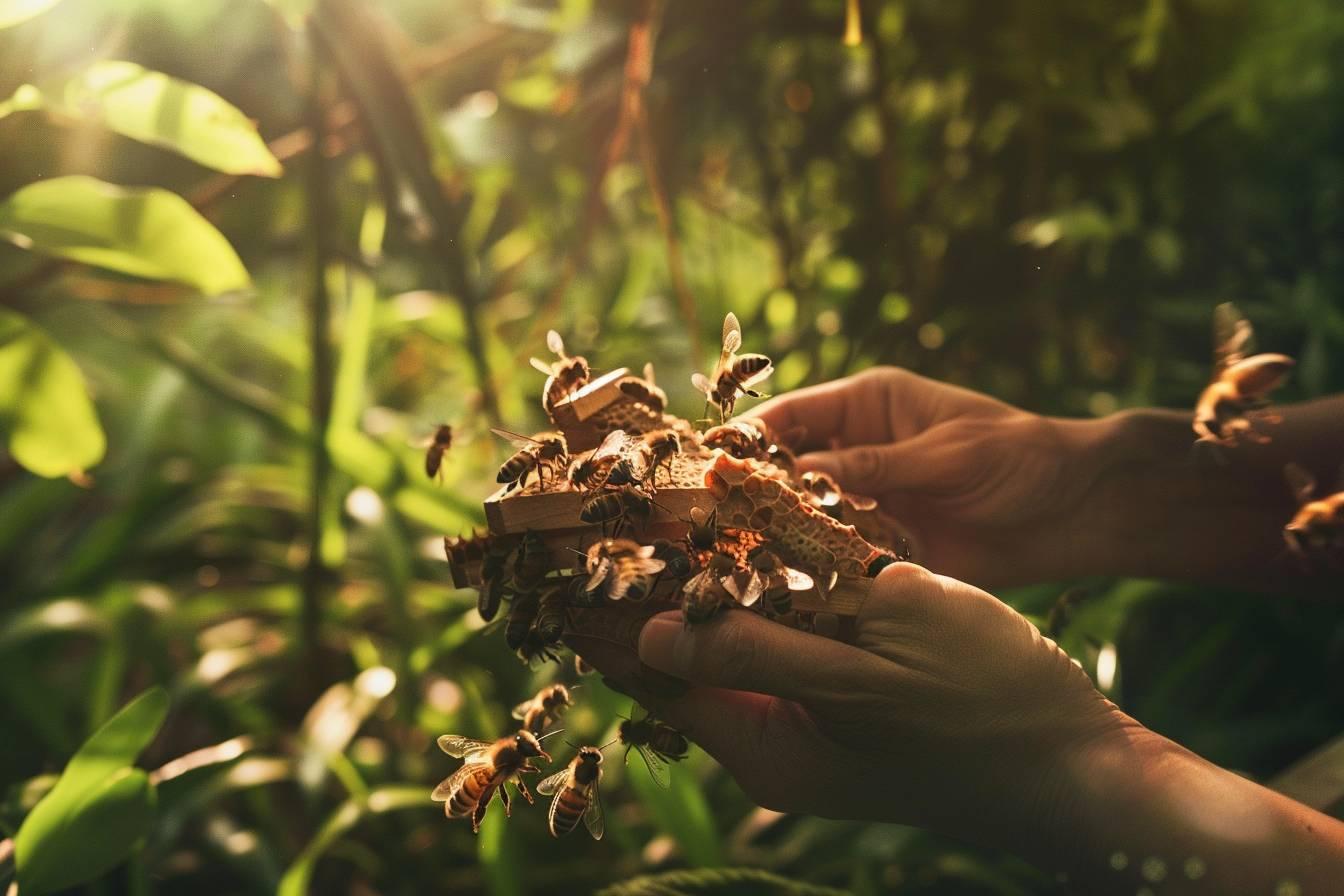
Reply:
x=849 y=411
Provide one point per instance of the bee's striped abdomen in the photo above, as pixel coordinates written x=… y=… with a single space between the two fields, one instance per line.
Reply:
x=464 y=801
x=570 y=806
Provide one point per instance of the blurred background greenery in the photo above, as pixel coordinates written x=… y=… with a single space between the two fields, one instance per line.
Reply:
x=213 y=479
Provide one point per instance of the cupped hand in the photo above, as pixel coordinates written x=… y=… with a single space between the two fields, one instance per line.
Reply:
x=948 y=710
x=985 y=492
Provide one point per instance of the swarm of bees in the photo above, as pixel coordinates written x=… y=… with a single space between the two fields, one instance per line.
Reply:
x=1229 y=412
x=489 y=766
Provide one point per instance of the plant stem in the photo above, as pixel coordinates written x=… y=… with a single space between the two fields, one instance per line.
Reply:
x=323 y=367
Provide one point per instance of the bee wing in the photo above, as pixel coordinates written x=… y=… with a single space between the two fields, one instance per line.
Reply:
x=797 y=579
x=860 y=502
x=555 y=343
x=517 y=439
x=450 y=785
x=658 y=769
x=761 y=374
x=732 y=338
x=648 y=373
x=460 y=747
x=701 y=384
x=1233 y=337
x=541 y=366
x=752 y=593
x=521 y=709
x=1300 y=482
x=592 y=816
x=612 y=444
x=554 y=783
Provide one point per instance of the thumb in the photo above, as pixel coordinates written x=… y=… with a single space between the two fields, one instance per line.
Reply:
x=743 y=651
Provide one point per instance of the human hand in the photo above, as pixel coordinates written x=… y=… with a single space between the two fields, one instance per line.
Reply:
x=949 y=710
x=984 y=491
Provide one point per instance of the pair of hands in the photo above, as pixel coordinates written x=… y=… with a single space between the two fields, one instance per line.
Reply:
x=949 y=710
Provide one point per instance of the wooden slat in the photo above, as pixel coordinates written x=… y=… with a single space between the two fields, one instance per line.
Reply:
x=517 y=513
x=589 y=400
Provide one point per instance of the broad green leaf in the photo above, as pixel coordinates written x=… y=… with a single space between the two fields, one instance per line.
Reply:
x=13 y=12
x=681 y=811
x=98 y=808
x=384 y=799
x=98 y=834
x=45 y=411
x=144 y=232
x=155 y=108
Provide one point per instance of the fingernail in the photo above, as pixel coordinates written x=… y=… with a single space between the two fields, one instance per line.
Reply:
x=664 y=644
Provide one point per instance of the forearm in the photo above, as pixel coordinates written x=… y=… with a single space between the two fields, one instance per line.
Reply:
x=1161 y=507
x=1138 y=810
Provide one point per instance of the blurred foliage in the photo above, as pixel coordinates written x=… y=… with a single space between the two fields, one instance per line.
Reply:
x=1041 y=201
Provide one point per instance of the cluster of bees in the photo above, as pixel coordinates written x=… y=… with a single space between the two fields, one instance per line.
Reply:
x=490 y=765
x=1228 y=411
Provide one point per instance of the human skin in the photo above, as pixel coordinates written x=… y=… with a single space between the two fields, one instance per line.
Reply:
x=950 y=711
x=998 y=496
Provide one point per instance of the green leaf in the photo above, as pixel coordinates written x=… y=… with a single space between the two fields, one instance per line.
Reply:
x=144 y=232
x=164 y=111
x=98 y=809
x=681 y=811
x=13 y=12
x=45 y=409
x=384 y=799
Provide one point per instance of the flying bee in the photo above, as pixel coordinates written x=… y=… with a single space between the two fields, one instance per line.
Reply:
x=563 y=376
x=771 y=582
x=544 y=709
x=825 y=493
x=662 y=445
x=644 y=390
x=734 y=375
x=622 y=568
x=656 y=742
x=593 y=472
x=487 y=768
x=542 y=452
x=576 y=794
x=705 y=593
x=439 y=444
x=551 y=616
x=618 y=505
x=1240 y=384
x=494 y=578
x=1318 y=525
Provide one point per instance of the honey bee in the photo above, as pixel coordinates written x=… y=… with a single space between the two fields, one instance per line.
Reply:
x=1240 y=384
x=705 y=593
x=656 y=742
x=576 y=794
x=494 y=581
x=534 y=647
x=439 y=444
x=676 y=562
x=594 y=471
x=551 y=614
x=532 y=563
x=703 y=533
x=563 y=377
x=823 y=492
x=544 y=709
x=618 y=505
x=661 y=445
x=734 y=375
x=738 y=438
x=770 y=581
x=521 y=616
x=487 y=768
x=1318 y=525
x=542 y=452
x=779 y=446
x=644 y=390
x=622 y=569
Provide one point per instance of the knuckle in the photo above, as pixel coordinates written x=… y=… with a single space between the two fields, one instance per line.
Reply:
x=866 y=463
